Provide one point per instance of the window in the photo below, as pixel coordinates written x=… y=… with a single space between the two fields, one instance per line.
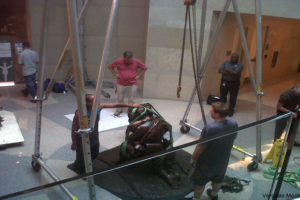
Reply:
x=274 y=59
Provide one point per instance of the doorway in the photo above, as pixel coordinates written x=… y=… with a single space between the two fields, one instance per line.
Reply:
x=13 y=26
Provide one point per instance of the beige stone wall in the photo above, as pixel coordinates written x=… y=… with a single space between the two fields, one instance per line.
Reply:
x=129 y=33
x=153 y=30
x=164 y=42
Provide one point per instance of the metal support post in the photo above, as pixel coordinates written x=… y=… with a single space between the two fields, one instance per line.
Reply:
x=215 y=36
x=80 y=4
x=41 y=70
x=66 y=49
x=185 y=126
x=110 y=27
x=80 y=93
x=245 y=46
x=37 y=162
x=258 y=74
x=201 y=38
x=207 y=56
x=54 y=177
x=278 y=183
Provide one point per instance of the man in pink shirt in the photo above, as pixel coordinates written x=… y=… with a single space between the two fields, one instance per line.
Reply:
x=127 y=77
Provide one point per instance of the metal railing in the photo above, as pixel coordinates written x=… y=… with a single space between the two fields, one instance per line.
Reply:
x=276 y=185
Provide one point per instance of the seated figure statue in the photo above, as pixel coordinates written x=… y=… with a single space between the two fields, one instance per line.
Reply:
x=144 y=136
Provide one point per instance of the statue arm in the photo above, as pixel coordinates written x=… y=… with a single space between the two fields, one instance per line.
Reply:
x=136 y=124
x=75 y=127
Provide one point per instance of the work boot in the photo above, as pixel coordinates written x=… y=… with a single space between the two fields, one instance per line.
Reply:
x=34 y=100
x=118 y=112
x=230 y=113
x=208 y=192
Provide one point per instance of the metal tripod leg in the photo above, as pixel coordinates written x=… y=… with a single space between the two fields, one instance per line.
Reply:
x=105 y=52
x=185 y=128
x=258 y=74
x=66 y=50
x=37 y=162
x=42 y=55
x=256 y=88
x=205 y=62
x=245 y=46
x=80 y=93
x=258 y=157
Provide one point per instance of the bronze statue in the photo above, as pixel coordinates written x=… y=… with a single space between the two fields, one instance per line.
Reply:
x=144 y=136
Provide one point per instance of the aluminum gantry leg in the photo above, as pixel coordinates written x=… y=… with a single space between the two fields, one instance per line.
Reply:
x=257 y=88
x=185 y=126
x=258 y=74
x=80 y=93
x=110 y=26
x=66 y=49
x=37 y=162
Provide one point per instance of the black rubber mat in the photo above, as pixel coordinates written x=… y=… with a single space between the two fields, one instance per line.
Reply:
x=139 y=181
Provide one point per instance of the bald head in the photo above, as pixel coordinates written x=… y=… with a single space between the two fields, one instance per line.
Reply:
x=234 y=58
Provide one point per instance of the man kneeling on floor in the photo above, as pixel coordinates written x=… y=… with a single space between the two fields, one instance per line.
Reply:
x=210 y=159
x=78 y=165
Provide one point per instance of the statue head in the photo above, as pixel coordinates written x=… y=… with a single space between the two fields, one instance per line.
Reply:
x=134 y=113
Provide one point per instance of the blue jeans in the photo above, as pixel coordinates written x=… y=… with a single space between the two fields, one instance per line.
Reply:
x=29 y=80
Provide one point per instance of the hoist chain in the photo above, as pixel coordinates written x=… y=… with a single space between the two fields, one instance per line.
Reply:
x=197 y=82
x=195 y=69
x=195 y=33
x=182 y=51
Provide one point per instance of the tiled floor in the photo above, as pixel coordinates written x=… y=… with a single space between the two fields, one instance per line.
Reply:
x=16 y=173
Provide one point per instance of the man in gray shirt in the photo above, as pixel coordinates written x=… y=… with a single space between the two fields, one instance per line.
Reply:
x=210 y=159
x=29 y=59
x=231 y=74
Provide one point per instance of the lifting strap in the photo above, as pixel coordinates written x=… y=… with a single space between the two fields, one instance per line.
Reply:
x=160 y=159
x=195 y=71
x=292 y=178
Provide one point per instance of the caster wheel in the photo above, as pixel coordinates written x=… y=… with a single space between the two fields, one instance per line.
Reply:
x=112 y=86
x=252 y=166
x=36 y=167
x=185 y=129
x=107 y=95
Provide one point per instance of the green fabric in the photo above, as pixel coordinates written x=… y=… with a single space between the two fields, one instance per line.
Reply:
x=289 y=177
x=157 y=162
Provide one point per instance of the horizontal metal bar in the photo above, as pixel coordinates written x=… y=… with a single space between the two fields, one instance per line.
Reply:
x=242 y=151
x=154 y=155
x=54 y=177
x=191 y=126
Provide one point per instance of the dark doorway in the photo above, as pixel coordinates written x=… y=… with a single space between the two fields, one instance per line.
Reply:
x=13 y=26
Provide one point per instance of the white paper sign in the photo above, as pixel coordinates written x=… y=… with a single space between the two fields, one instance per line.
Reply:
x=108 y=120
x=5 y=50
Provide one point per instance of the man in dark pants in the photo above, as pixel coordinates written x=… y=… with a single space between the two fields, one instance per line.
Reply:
x=231 y=74
x=127 y=77
x=29 y=59
x=210 y=159
x=289 y=101
x=78 y=165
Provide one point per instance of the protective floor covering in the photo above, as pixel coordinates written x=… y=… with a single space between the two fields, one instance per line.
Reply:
x=139 y=181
